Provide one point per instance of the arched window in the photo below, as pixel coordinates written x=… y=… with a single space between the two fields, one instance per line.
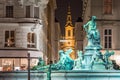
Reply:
x=9 y=38
x=31 y=40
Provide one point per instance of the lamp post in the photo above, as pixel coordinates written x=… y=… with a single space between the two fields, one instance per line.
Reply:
x=49 y=72
x=28 y=66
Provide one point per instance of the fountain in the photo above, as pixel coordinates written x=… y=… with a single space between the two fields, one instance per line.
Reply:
x=91 y=63
x=91 y=59
x=88 y=61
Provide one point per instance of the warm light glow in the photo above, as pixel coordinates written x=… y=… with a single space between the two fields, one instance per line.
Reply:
x=117 y=59
x=69 y=40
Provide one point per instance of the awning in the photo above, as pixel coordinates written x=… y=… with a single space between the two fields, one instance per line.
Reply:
x=20 y=53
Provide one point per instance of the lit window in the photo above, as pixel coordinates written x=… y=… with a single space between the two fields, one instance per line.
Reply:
x=9 y=11
x=31 y=40
x=7 y=64
x=107 y=6
x=27 y=11
x=9 y=38
x=107 y=38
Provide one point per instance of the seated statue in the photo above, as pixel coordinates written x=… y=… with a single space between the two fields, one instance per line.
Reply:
x=40 y=64
x=92 y=32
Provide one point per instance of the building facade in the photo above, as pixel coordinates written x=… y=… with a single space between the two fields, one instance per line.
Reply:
x=108 y=21
x=79 y=34
x=23 y=27
x=57 y=39
x=50 y=32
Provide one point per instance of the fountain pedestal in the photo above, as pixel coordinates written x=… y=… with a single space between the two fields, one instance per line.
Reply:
x=93 y=58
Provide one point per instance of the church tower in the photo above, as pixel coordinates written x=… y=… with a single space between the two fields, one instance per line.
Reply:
x=69 y=34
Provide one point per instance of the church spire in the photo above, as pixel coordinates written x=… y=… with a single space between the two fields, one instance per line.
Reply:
x=69 y=34
x=69 y=18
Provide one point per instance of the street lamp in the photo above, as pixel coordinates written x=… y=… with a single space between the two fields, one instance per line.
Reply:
x=28 y=66
x=49 y=72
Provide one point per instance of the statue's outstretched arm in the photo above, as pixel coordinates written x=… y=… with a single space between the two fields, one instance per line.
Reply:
x=85 y=26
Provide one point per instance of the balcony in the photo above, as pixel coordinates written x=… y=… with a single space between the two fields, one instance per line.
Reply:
x=18 y=20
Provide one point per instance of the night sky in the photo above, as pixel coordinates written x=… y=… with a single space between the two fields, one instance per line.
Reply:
x=61 y=11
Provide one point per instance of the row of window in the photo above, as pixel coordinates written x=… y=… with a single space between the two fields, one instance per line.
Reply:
x=10 y=12
x=107 y=6
x=10 y=39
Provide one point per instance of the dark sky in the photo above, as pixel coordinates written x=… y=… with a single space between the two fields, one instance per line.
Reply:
x=61 y=11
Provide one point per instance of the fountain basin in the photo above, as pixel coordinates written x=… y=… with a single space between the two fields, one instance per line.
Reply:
x=63 y=75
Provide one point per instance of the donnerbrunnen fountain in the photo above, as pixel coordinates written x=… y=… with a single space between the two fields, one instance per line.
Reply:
x=91 y=63
x=90 y=59
x=88 y=62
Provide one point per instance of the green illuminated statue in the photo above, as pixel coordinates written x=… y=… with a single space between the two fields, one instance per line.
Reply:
x=65 y=62
x=92 y=32
x=107 y=61
x=78 y=62
x=92 y=58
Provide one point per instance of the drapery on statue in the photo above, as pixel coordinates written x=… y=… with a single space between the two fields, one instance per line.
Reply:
x=92 y=32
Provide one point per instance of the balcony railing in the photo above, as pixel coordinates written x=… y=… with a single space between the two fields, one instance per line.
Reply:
x=18 y=20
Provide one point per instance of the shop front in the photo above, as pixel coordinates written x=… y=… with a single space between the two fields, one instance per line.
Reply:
x=18 y=60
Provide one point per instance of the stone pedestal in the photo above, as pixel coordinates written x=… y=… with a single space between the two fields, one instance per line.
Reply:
x=91 y=53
